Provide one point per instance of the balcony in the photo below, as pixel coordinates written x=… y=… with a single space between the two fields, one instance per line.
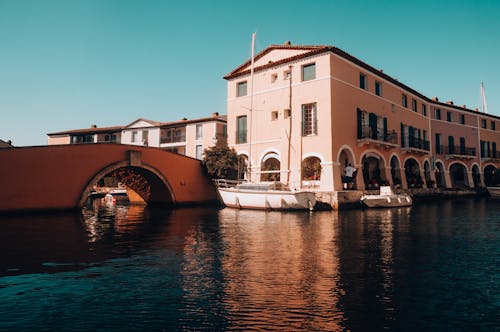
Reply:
x=416 y=146
x=173 y=139
x=375 y=138
x=458 y=152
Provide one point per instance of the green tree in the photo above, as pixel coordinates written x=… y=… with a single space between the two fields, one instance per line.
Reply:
x=221 y=162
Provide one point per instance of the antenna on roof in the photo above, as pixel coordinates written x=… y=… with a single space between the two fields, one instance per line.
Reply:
x=484 y=107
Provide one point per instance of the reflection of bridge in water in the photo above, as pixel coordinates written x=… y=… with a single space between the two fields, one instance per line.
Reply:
x=61 y=177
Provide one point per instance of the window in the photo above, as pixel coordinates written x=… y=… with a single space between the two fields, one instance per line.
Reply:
x=414 y=105
x=199 y=131
x=309 y=72
x=110 y=138
x=362 y=81
x=462 y=145
x=438 y=114
x=241 y=89
x=241 y=129
x=439 y=148
x=493 y=127
x=199 y=152
x=448 y=116
x=424 y=110
x=309 y=119
x=494 y=149
x=404 y=100
x=378 y=88
x=274 y=115
x=287 y=113
x=462 y=118
x=145 y=136
x=134 y=137
x=483 y=123
x=451 y=145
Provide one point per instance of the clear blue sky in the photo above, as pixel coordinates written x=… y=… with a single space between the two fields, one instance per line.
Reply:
x=69 y=64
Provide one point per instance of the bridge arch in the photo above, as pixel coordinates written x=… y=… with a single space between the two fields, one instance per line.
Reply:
x=153 y=189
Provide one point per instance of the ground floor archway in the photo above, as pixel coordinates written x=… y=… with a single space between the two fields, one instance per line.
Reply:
x=476 y=176
x=270 y=168
x=396 y=172
x=439 y=175
x=491 y=176
x=373 y=171
x=458 y=175
x=412 y=173
x=346 y=158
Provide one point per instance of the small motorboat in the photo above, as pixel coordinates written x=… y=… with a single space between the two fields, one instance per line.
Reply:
x=386 y=198
x=494 y=191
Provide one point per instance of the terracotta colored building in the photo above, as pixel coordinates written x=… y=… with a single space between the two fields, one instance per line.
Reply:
x=310 y=111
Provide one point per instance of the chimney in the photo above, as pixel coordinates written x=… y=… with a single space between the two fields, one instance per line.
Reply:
x=214 y=114
x=435 y=98
x=184 y=119
x=93 y=126
x=450 y=102
x=287 y=43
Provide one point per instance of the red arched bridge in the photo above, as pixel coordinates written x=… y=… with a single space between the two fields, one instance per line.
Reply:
x=60 y=177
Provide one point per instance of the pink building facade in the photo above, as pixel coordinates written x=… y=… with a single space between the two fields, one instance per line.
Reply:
x=308 y=112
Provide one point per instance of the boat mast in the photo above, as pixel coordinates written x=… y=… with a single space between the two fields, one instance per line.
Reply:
x=484 y=107
x=289 y=124
x=251 y=109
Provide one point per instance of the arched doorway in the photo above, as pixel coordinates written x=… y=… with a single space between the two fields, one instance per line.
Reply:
x=458 y=176
x=412 y=172
x=396 y=172
x=491 y=176
x=242 y=167
x=476 y=176
x=346 y=158
x=439 y=175
x=373 y=175
x=427 y=174
x=270 y=168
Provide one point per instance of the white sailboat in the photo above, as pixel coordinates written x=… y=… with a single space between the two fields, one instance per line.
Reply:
x=265 y=195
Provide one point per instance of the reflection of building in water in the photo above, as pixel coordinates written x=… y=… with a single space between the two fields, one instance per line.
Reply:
x=276 y=265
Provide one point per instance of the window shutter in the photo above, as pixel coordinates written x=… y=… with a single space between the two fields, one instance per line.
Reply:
x=315 y=119
x=385 y=128
x=303 y=120
x=360 y=123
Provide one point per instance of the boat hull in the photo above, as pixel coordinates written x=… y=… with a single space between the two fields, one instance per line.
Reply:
x=375 y=201
x=268 y=200
x=494 y=191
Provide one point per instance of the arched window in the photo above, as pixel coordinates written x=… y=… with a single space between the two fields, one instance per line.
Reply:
x=311 y=169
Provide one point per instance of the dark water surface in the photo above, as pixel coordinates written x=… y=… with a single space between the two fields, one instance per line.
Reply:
x=432 y=267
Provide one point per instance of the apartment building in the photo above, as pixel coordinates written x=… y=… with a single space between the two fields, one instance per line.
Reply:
x=309 y=111
x=186 y=137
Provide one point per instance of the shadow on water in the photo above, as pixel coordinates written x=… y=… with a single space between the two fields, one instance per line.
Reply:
x=54 y=242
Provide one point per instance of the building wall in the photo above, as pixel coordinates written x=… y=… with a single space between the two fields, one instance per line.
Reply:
x=338 y=96
x=57 y=140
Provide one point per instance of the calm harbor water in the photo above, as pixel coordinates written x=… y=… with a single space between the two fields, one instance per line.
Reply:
x=432 y=267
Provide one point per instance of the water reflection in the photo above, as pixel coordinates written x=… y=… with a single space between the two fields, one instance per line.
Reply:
x=429 y=267
x=280 y=269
